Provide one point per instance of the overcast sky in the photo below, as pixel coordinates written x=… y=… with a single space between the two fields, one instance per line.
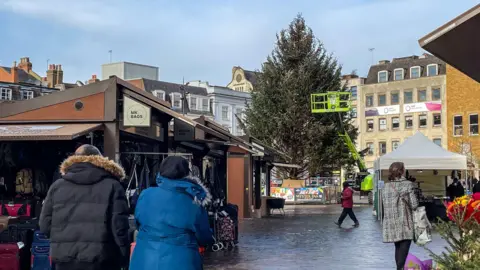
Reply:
x=204 y=39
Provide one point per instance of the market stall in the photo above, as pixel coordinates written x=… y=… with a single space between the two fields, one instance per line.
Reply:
x=429 y=163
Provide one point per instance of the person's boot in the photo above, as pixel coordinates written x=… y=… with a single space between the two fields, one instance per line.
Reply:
x=338 y=224
x=356 y=225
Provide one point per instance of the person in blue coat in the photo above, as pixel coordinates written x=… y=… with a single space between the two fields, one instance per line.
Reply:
x=172 y=221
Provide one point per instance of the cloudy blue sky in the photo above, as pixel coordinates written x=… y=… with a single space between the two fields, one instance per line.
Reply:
x=203 y=39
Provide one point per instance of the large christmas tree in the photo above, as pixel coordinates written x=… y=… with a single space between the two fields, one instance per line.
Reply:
x=279 y=113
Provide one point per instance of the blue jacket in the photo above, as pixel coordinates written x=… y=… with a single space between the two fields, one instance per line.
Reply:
x=172 y=223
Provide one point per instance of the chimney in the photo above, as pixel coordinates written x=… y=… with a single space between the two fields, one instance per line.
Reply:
x=51 y=76
x=14 y=72
x=93 y=79
x=383 y=62
x=59 y=74
x=25 y=64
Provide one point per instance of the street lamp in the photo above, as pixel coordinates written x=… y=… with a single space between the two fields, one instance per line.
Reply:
x=184 y=97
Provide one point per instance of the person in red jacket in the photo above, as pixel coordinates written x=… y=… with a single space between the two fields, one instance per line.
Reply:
x=347 y=204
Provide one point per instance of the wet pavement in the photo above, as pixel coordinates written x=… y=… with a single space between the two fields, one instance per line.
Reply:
x=306 y=238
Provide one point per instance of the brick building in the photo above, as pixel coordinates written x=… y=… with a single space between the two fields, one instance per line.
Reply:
x=463 y=98
x=21 y=91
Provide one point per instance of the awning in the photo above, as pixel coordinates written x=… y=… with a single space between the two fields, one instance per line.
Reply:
x=458 y=43
x=286 y=165
x=42 y=132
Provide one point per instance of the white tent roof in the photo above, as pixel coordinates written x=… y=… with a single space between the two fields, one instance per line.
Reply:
x=420 y=153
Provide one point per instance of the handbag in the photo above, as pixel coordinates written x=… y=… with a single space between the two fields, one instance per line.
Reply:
x=421 y=226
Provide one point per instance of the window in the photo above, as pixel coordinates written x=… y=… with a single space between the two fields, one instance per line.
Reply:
x=353 y=113
x=369 y=101
x=395 y=145
x=398 y=74
x=407 y=97
x=382 y=147
x=457 y=125
x=176 y=100
x=422 y=95
x=432 y=70
x=408 y=121
x=27 y=94
x=225 y=113
x=382 y=100
x=159 y=94
x=371 y=149
x=395 y=122
x=473 y=121
x=436 y=94
x=370 y=125
x=353 y=91
x=382 y=123
x=414 y=72
x=5 y=94
x=437 y=119
x=239 y=113
x=422 y=121
x=394 y=99
x=438 y=142
x=205 y=104
x=193 y=103
x=382 y=76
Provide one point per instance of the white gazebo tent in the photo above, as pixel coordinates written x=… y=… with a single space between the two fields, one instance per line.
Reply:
x=422 y=158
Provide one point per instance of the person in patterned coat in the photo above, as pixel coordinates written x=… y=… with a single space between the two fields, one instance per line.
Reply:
x=399 y=202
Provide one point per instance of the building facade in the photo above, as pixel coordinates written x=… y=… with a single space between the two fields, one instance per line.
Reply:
x=243 y=80
x=352 y=84
x=463 y=108
x=189 y=100
x=129 y=71
x=19 y=91
x=226 y=105
x=400 y=98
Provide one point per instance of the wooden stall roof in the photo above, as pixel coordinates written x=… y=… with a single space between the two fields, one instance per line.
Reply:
x=45 y=132
x=458 y=42
x=109 y=88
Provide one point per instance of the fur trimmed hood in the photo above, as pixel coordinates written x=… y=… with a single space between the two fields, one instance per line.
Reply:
x=191 y=185
x=98 y=161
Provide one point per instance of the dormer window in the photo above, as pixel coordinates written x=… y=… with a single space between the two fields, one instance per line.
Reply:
x=415 y=72
x=382 y=76
x=159 y=94
x=398 y=74
x=432 y=70
x=176 y=100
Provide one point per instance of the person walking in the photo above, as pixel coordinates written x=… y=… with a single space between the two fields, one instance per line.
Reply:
x=347 y=204
x=85 y=214
x=476 y=186
x=399 y=202
x=172 y=220
x=455 y=189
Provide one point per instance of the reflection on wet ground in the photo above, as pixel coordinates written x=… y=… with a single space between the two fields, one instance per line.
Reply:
x=306 y=238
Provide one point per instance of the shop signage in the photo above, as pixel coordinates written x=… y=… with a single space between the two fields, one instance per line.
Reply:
x=135 y=114
x=384 y=110
x=13 y=130
x=308 y=194
x=422 y=107
x=183 y=131
x=286 y=193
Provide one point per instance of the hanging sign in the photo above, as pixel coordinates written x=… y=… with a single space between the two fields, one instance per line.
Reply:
x=135 y=114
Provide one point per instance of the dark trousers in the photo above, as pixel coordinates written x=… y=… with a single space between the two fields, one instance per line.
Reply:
x=401 y=252
x=349 y=212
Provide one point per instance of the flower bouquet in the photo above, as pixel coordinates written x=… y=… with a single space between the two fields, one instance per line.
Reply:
x=462 y=235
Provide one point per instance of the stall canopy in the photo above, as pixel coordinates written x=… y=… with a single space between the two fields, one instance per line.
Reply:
x=41 y=132
x=420 y=153
x=458 y=42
